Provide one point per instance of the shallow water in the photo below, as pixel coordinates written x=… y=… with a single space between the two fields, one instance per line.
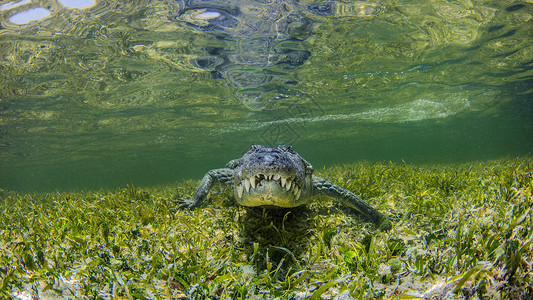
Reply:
x=140 y=93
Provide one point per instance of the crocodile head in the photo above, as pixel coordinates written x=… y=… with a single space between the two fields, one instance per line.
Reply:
x=277 y=177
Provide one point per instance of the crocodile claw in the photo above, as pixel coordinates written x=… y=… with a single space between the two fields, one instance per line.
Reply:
x=186 y=203
x=395 y=217
x=385 y=224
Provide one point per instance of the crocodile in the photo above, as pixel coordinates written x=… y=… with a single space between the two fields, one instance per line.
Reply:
x=257 y=42
x=278 y=177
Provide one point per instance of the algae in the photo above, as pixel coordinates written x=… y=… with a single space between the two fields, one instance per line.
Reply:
x=459 y=231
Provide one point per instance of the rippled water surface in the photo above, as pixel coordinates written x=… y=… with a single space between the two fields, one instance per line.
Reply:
x=106 y=93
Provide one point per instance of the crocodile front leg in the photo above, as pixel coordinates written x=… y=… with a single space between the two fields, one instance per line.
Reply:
x=326 y=187
x=224 y=176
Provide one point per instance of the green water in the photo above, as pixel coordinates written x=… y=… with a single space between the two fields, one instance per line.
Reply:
x=105 y=96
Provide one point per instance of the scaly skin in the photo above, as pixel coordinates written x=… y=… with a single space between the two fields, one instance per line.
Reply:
x=278 y=177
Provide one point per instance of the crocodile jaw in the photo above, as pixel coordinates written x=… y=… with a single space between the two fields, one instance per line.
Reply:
x=271 y=190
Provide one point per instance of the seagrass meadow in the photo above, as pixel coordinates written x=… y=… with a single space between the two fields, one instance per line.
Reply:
x=460 y=231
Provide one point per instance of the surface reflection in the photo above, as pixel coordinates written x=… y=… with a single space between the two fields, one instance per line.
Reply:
x=263 y=40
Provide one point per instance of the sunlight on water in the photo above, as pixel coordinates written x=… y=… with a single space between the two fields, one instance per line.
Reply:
x=78 y=3
x=11 y=5
x=208 y=15
x=32 y=14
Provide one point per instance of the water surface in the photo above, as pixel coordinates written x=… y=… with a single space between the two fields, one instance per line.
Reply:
x=112 y=93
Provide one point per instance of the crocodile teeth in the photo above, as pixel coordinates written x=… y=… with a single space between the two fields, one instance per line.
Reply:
x=247 y=184
x=252 y=181
x=256 y=181
x=239 y=190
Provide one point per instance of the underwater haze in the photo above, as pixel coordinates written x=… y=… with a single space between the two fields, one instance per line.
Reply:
x=100 y=94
